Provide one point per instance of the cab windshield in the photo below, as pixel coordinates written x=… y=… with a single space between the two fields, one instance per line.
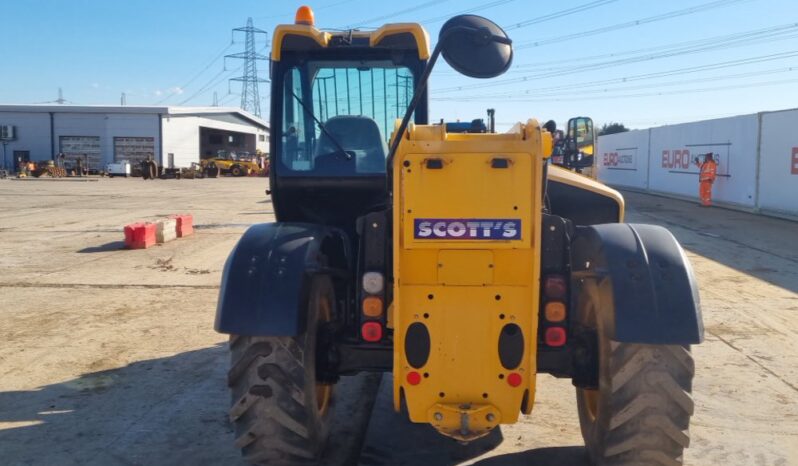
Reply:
x=356 y=102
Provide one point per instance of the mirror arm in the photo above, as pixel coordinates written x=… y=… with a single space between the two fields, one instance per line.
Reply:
x=417 y=93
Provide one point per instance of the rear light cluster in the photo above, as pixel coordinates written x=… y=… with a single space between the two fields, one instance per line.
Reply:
x=555 y=297
x=372 y=307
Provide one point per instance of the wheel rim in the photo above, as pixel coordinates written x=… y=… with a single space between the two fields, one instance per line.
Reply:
x=591 y=397
x=323 y=390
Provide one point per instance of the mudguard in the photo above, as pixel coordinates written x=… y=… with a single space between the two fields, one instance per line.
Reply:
x=267 y=277
x=646 y=289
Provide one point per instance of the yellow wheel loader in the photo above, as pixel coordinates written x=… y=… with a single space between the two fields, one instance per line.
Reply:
x=464 y=264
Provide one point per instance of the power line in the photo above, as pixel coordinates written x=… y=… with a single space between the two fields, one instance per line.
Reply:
x=581 y=68
x=716 y=41
x=757 y=36
x=559 y=14
x=290 y=15
x=484 y=6
x=651 y=94
x=563 y=91
x=414 y=8
x=629 y=24
x=653 y=75
x=212 y=83
x=194 y=78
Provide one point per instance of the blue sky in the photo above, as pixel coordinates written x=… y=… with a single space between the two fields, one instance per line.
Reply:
x=640 y=62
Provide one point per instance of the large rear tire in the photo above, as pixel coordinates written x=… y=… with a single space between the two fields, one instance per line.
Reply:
x=641 y=412
x=279 y=408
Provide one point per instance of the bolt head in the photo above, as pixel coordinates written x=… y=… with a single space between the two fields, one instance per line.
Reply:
x=438 y=416
x=490 y=417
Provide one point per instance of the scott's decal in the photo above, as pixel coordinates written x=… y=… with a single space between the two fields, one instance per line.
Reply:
x=467 y=228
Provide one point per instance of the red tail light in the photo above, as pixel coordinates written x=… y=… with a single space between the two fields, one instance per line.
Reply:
x=555 y=336
x=371 y=331
x=514 y=379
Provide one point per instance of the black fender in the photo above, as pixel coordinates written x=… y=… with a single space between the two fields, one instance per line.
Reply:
x=267 y=277
x=639 y=281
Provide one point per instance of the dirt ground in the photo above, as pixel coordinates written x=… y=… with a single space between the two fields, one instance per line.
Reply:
x=108 y=356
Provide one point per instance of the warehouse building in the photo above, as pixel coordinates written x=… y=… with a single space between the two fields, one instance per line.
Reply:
x=175 y=136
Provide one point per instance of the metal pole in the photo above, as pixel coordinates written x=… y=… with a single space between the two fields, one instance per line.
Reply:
x=335 y=90
x=396 y=73
x=385 y=98
x=326 y=101
x=407 y=90
x=360 y=89
x=373 y=100
x=321 y=104
x=348 y=102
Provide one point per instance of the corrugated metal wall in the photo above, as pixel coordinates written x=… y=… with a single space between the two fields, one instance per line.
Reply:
x=758 y=157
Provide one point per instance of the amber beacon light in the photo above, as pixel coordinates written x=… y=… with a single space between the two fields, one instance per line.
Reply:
x=304 y=15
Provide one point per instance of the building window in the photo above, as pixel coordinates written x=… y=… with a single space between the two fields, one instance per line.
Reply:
x=262 y=137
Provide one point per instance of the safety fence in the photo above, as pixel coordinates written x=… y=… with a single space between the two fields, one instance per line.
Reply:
x=757 y=160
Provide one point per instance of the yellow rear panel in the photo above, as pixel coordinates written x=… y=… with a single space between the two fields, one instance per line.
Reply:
x=466 y=264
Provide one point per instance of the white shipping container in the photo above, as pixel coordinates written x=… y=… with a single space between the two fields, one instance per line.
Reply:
x=733 y=141
x=622 y=159
x=778 y=163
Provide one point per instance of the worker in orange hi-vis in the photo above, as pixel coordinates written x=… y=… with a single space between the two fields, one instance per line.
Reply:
x=706 y=176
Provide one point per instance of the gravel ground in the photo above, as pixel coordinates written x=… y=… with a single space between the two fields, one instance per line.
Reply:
x=108 y=356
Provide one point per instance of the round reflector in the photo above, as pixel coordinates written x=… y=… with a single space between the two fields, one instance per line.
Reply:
x=372 y=306
x=373 y=282
x=555 y=311
x=413 y=378
x=554 y=287
x=514 y=379
x=555 y=336
x=371 y=331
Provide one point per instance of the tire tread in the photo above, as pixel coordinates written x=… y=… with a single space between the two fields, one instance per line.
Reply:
x=650 y=406
x=267 y=378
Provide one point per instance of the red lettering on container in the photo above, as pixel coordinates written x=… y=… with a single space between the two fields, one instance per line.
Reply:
x=678 y=158
x=610 y=159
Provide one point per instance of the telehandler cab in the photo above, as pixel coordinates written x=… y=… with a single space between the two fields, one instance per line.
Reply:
x=465 y=264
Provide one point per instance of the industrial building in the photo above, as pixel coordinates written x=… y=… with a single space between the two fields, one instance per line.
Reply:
x=174 y=136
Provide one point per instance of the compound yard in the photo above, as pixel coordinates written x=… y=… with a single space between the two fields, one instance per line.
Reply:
x=108 y=356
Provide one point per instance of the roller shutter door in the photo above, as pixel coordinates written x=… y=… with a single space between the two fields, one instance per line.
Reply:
x=79 y=146
x=133 y=149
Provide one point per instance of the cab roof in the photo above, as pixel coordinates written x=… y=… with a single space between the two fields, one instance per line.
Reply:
x=397 y=36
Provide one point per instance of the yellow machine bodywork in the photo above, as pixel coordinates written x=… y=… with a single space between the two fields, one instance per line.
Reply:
x=464 y=288
x=306 y=37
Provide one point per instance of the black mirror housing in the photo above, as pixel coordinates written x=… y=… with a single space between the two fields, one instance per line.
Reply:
x=475 y=46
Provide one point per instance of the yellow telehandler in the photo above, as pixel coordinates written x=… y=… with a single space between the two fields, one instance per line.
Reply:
x=464 y=264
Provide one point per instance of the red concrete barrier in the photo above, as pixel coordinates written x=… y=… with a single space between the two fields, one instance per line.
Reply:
x=185 y=224
x=139 y=235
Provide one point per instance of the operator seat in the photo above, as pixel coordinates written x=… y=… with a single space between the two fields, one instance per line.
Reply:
x=360 y=136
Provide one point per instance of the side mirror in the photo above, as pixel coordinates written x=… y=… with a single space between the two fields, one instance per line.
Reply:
x=581 y=142
x=475 y=46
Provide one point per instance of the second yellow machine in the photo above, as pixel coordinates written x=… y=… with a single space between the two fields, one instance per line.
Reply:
x=465 y=264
